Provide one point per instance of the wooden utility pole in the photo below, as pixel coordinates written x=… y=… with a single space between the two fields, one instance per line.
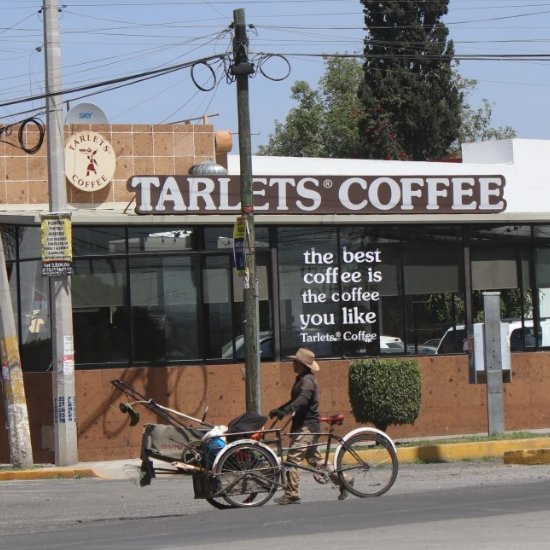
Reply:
x=13 y=390
x=63 y=382
x=242 y=69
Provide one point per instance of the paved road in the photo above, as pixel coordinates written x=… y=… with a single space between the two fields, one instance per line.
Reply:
x=484 y=505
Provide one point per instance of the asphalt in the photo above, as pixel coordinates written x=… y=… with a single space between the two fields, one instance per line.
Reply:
x=530 y=451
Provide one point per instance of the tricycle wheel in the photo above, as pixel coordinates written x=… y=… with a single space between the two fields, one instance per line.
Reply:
x=218 y=503
x=248 y=474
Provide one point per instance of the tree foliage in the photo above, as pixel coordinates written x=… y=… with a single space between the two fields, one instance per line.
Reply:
x=476 y=122
x=412 y=104
x=324 y=122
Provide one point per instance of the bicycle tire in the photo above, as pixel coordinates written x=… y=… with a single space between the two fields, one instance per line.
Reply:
x=249 y=472
x=218 y=503
x=367 y=464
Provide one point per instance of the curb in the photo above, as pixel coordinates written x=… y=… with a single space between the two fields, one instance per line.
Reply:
x=453 y=452
x=47 y=473
x=531 y=457
x=533 y=451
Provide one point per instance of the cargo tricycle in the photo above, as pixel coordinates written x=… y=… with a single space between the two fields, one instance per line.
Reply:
x=243 y=464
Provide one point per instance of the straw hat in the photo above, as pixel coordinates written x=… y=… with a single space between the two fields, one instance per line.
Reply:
x=307 y=358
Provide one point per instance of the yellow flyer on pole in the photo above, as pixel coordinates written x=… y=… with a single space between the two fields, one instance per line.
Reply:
x=239 y=237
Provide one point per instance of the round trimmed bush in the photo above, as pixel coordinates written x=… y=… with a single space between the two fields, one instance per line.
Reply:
x=385 y=391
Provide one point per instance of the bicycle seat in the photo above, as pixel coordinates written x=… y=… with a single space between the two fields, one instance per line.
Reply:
x=333 y=419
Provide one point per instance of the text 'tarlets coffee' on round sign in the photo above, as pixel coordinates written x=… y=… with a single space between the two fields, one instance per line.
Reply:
x=89 y=161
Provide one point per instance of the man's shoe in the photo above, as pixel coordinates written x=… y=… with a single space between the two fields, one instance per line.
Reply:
x=344 y=492
x=287 y=500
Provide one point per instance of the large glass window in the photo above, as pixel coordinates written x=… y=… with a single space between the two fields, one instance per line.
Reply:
x=169 y=294
x=500 y=258
x=28 y=240
x=161 y=239
x=102 y=240
x=370 y=296
x=223 y=296
x=164 y=311
x=100 y=313
x=35 y=325
x=218 y=312
x=433 y=283
x=308 y=280
x=542 y=279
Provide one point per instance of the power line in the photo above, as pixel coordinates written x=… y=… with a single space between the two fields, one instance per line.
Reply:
x=135 y=77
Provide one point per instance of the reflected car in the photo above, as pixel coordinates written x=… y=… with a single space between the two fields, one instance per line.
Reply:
x=429 y=347
x=267 y=351
x=391 y=344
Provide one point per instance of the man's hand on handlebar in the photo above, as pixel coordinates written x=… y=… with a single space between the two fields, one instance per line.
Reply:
x=277 y=413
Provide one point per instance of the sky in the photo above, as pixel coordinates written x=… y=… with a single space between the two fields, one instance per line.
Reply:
x=502 y=44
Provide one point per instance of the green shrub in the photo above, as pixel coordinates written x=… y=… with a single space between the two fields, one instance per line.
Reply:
x=385 y=391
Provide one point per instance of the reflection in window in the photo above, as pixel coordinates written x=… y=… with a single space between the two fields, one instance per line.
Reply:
x=217 y=305
x=265 y=307
x=161 y=239
x=500 y=261
x=433 y=285
x=163 y=294
x=100 y=314
x=542 y=276
x=36 y=353
x=98 y=240
x=28 y=239
x=221 y=238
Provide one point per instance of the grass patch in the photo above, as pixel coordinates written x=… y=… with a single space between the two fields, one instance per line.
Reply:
x=12 y=468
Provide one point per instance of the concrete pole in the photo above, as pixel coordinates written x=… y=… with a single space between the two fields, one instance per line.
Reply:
x=493 y=363
x=13 y=389
x=63 y=383
x=242 y=68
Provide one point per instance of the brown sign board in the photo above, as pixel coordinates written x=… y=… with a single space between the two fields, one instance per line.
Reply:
x=457 y=194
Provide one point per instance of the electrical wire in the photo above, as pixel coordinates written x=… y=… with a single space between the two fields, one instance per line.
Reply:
x=125 y=79
x=36 y=123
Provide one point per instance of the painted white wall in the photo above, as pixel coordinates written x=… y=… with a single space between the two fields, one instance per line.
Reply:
x=524 y=163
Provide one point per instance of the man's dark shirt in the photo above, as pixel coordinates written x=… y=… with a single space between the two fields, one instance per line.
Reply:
x=304 y=402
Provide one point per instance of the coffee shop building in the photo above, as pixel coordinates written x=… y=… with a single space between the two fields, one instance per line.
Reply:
x=354 y=258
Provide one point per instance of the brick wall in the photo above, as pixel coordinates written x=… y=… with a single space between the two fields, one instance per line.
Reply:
x=450 y=404
x=139 y=149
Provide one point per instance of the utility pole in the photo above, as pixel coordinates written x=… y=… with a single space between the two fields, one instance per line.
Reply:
x=63 y=381
x=13 y=390
x=242 y=69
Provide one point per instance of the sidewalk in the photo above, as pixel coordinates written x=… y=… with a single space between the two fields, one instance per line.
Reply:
x=529 y=451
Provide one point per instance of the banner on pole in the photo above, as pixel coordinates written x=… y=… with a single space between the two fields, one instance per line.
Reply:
x=239 y=237
x=56 y=240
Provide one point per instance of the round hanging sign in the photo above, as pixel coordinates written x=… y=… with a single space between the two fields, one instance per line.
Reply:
x=89 y=161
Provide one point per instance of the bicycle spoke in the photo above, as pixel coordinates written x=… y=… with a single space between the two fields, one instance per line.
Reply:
x=248 y=475
x=367 y=465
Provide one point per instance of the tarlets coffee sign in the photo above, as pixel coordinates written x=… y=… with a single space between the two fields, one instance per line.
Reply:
x=321 y=194
x=89 y=161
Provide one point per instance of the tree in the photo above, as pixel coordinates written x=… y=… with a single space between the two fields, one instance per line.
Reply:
x=412 y=103
x=476 y=122
x=324 y=123
x=300 y=135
